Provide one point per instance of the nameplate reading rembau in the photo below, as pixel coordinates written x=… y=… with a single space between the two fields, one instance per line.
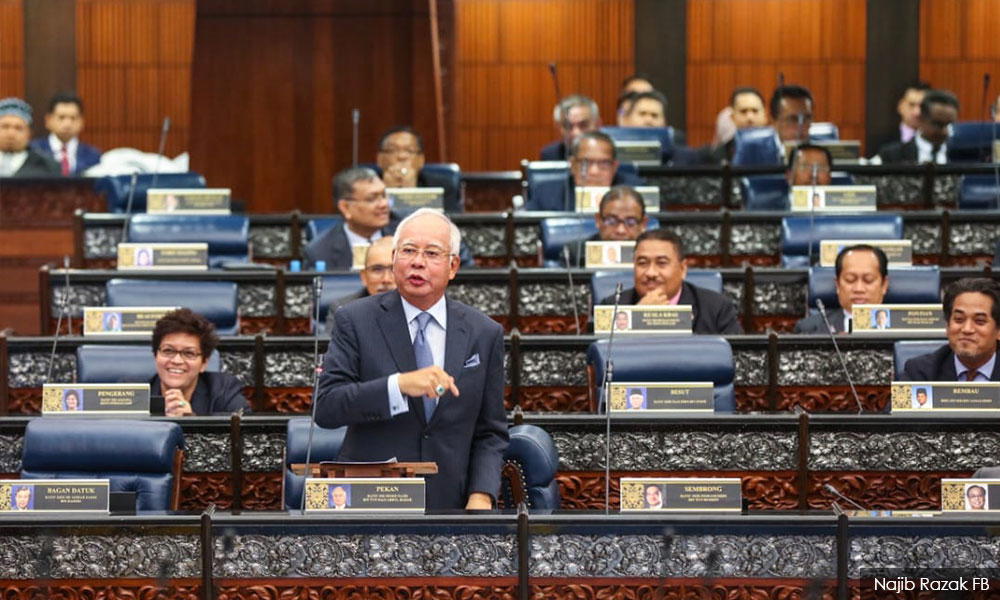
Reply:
x=641 y=153
x=681 y=494
x=945 y=395
x=652 y=399
x=412 y=198
x=359 y=253
x=899 y=252
x=95 y=399
x=961 y=495
x=122 y=320
x=54 y=495
x=195 y=201
x=833 y=198
x=610 y=255
x=163 y=257
x=897 y=318
x=365 y=494
x=588 y=198
x=639 y=318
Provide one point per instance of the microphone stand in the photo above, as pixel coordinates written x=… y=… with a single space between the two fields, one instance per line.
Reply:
x=837 y=493
x=572 y=289
x=812 y=210
x=840 y=355
x=159 y=153
x=355 y=123
x=63 y=310
x=317 y=292
x=609 y=367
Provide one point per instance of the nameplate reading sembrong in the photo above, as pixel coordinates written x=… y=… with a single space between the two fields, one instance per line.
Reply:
x=961 y=495
x=899 y=252
x=945 y=396
x=95 y=399
x=196 y=201
x=410 y=199
x=833 y=198
x=367 y=494
x=612 y=255
x=681 y=494
x=639 y=318
x=588 y=198
x=54 y=495
x=652 y=399
x=897 y=318
x=122 y=320
x=163 y=257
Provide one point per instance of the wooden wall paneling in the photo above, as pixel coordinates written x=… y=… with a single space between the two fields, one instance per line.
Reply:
x=11 y=48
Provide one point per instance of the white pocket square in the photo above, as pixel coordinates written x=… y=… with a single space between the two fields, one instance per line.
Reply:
x=472 y=362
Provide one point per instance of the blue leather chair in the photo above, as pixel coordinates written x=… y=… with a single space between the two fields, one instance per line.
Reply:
x=770 y=192
x=546 y=183
x=904 y=350
x=325 y=447
x=756 y=146
x=214 y=300
x=116 y=188
x=335 y=287
x=823 y=132
x=907 y=285
x=136 y=456
x=99 y=363
x=972 y=141
x=227 y=236
x=536 y=460
x=797 y=232
x=602 y=283
x=556 y=232
x=669 y=359
x=664 y=135
x=442 y=175
x=317 y=227
x=979 y=192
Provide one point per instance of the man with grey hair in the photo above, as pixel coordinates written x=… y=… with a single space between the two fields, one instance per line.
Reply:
x=16 y=158
x=417 y=376
x=574 y=116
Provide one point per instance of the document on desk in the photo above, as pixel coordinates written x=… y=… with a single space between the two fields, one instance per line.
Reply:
x=365 y=494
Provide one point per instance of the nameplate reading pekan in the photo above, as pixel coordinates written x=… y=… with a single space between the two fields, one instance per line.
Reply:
x=681 y=494
x=945 y=395
x=961 y=495
x=897 y=318
x=409 y=199
x=612 y=255
x=654 y=318
x=195 y=201
x=95 y=399
x=588 y=198
x=641 y=153
x=54 y=495
x=833 y=198
x=359 y=253
x=899 y=252
x=365 y=494
x=122 y=320
x=163 y=257
x=652 y=399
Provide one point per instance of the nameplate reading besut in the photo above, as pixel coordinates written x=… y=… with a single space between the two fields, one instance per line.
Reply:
x=365 y=494
x=122 y=320
x=897 y=318
x=588 y=198
x=833 y=198
x=652 y=399
x=640 y=318
x=945 y=395
x=613 y=255
x=95 y=399
x=163 y=257
x=359 y=253
x=681 y=494
x=641 y=153
x=898 y=252
x=54 y=495
x=195 y=201
x=961 y=495
x=412 y=198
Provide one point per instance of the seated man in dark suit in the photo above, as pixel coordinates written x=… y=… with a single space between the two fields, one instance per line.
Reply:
x=938 y=110
x=574 y=116
x=809 y=164
x=659 y=279
x=417 y=376
x=16 y=158
x=64 y=121
x=400 y=156
x=792 y=111
x=376 y=277
x=972 y=313
x=621 y=216
x=862 y=273
x=645 y=109
x=908 y=108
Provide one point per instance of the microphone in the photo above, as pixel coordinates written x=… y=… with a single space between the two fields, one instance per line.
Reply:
x=128 y=205
x=553 y=71
x=812 y=208
x=840 y=355
x=159 y=153
x=63 y=310
x=355 y=123
x=609 y=367
x=318 y=368
x=994 y=152
x=986 y=96
x=836 y=492
x=572 y=289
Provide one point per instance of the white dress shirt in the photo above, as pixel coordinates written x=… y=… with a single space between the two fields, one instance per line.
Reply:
x=57 y=148
x=10 y=162
x=359 y=240
x=434 y=333
x=925 y=150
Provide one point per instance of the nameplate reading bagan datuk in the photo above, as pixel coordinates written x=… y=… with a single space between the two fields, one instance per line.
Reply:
x=961 y=495
x=681 y=494
x=897 y=318
x=653 y=318
x=195 y=201
x=613 y=255
x=412 y=198
x=945 y=395
x=122 y=320
x=843 y=151
x=54 y=495
x=163 y=257
x=899 y=252
x=588 y=198
x=652 y=399
x=95 y=399
x=365 y=494
x=359 y=253
x=833 y=198
x=641 y=153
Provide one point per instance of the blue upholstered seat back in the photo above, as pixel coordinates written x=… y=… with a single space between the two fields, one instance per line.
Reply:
x=972 y=141
x=215 y=300
x=756 y=146
x=533 y=450
x=116 y=188
x=797 y=232
x=556 y=232
x=602 y=283
x=907 y=285
x=227 y=236
x=99 y=363
x=904 y=350
x=770 y=192
x=325 y=447
x=979 y=192
x=664 y=135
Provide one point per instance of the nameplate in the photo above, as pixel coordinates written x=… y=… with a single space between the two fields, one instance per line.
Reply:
x=682 y=494
x=657 y=398
x=588 y=198
x=95 y=399
x=642 y=153
x=996 y=151
x=613 y=255
x=54 y=495
x=122 y=320
x=365 y=494
x=163 y=257
x=833 y=198
x=359 y=253
x=667 y=318
x=897 y=318
x=945 y=395
x=961 y=495
x=899 y=252
x=411 y=198
x=843 y=151
x=197 y=201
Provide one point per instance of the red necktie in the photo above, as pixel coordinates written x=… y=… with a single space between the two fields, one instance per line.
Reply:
x=65 y=160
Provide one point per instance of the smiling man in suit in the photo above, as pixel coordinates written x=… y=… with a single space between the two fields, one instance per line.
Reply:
x=419 y=377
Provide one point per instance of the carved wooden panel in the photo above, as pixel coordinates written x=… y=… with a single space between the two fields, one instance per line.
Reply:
x=490 y=196
x=552 y=399
x=295 y=400
x=756 y=260
x=751 y=398
x=261 y=491
x=917 y=490
x=46 y=204
x=24 y=401
x=781 y=324
x=255 y=325
x=126 y=589
x=552 y=324
x=834 y=398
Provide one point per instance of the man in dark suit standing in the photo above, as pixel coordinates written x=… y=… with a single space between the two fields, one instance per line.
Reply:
x=419 y=377
x=938 y=110
x=972 y=313
x=862 y=277
x=65 y=122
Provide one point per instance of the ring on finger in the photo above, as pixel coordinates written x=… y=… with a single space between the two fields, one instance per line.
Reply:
x=439 y=389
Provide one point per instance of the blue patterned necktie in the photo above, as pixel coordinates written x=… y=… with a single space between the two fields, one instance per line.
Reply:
x=422 y=351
